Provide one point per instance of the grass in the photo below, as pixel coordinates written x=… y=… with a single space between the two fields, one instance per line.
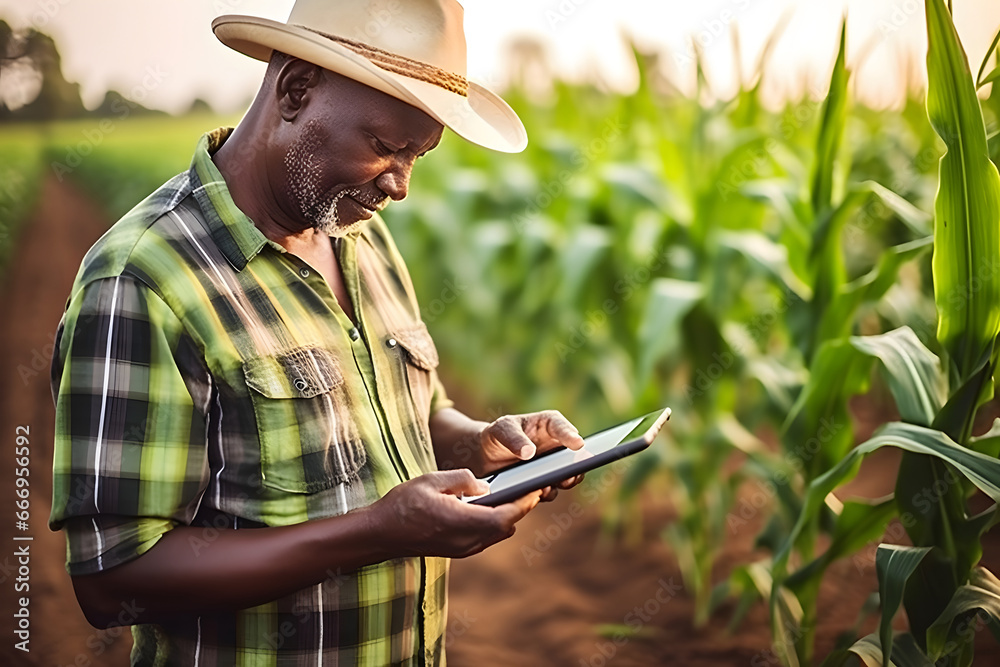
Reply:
x=21 y=167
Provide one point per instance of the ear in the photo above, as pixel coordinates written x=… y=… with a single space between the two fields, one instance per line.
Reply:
x=292 y=86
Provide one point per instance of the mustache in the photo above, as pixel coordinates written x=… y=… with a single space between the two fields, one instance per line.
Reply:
x=368 y=200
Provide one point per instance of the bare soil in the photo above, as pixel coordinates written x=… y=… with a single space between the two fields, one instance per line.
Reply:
x=546 y=596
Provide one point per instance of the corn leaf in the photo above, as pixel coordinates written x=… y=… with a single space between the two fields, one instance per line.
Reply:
x=771 y=256
x=990 y=78
x=859 y=524
x=913 y=373
x=740 y=584
x=956 y=416
x=905 y=652
x=581 y=254
x=894 y=564
x=669 y=301
x=982 y=471
x=817 y=429
x=818 y=421
x=827 y=257
x=786 y=612
x=831 y=130
x=980 y=80
x=840 y=313
x=982 y=592
x=967 y=207
x=988 y=443
x=919 y=222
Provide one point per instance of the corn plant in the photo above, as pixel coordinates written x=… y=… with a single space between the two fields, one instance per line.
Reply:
x=937 y=396
x=823 y=307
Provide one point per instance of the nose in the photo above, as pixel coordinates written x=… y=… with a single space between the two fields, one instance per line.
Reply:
x=395 y=181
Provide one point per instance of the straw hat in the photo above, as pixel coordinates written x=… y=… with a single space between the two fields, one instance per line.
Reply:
x=413 y=50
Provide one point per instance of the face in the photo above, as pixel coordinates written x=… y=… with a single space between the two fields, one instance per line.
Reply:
x=350 y=150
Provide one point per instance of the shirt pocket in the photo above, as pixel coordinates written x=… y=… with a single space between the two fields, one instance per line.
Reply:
x=420 y=360
x=308 y=440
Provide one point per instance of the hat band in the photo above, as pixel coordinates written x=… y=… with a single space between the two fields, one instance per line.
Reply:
x=397 y=64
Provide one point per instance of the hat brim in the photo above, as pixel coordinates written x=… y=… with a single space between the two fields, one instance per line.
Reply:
x=482 y=118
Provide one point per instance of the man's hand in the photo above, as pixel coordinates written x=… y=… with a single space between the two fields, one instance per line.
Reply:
x=424 y=516
x=516 y=438
x=461 y=442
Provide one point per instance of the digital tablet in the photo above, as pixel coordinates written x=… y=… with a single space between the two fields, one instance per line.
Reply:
x=559 y=464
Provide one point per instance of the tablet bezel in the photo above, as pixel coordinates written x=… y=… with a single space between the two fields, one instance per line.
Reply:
x=553 y=477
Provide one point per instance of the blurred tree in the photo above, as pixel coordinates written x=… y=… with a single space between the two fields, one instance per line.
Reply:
x=29 y=58
x=200 y=106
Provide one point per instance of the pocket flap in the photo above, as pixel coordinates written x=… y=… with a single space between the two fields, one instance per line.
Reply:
x=417 y=342
x=304 y=372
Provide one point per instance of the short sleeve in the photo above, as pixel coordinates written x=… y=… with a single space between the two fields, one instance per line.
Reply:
x=130 y=456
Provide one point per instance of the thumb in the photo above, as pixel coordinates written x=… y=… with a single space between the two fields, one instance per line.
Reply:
x=459 y=482
x=510 y=433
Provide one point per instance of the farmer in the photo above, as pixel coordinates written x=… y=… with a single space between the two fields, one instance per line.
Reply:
x=249 y=417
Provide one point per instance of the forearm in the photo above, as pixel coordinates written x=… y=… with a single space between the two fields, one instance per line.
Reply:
x=456 y=440
x=186 y=573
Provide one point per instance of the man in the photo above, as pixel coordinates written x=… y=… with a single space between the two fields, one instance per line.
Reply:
x=249 y=418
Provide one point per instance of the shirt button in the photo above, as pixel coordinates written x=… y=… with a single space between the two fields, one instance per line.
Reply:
x=304 y=273
x=354 y=334
x=391 y=342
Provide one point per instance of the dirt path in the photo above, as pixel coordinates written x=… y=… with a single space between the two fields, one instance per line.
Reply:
x=539 y=598
x=31 y=302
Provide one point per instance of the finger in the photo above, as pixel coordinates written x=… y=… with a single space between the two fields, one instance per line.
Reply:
x=570 y=483
x=512 y=512
x=509 y=433
x=549 y=493
x=458 y=482
x=561 y=429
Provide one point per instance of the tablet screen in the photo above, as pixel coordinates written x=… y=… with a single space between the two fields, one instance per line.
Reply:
x=645 y=427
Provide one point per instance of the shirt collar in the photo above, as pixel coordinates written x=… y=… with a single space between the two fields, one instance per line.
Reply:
x=236 y=235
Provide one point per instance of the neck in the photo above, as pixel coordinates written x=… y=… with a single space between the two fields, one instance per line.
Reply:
x=242 y=160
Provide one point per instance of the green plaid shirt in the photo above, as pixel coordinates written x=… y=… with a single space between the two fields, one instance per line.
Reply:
x=204 y=376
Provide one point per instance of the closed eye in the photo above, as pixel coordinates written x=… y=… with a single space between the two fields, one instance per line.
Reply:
x=380 y=147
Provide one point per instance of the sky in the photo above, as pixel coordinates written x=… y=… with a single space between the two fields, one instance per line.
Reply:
x=164 y=54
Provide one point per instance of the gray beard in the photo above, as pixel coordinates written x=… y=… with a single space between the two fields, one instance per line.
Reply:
x=302 y=165
x=329 y=222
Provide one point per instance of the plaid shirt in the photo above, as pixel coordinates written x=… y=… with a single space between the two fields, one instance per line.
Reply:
x=204 y=376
